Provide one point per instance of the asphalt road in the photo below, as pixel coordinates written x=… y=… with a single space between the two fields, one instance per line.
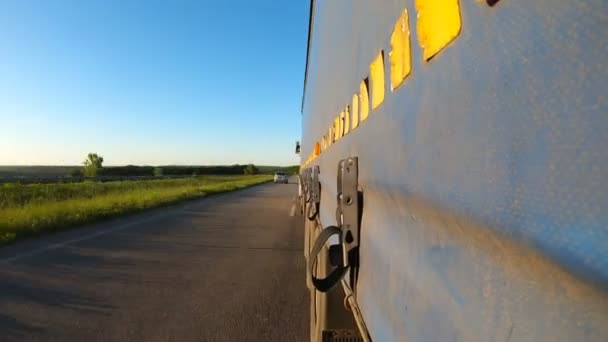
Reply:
x=226 y=268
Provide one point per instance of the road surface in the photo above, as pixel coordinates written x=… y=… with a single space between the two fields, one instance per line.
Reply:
x=226 y=268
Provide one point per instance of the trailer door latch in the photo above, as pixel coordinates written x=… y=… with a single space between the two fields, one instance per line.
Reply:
x=345 y=254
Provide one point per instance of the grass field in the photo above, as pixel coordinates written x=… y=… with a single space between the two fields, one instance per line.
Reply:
x=32 y=209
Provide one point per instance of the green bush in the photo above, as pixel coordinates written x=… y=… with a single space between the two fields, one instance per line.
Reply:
x=250 y=170
x=92 y=165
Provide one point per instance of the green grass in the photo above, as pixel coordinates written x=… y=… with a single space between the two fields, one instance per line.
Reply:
x=32 y=209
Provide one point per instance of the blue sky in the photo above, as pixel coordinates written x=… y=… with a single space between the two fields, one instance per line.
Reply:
x=151 y=82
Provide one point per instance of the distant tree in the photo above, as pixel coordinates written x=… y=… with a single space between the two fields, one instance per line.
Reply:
x=92 y=165
x=250 y=169
x=158 y=172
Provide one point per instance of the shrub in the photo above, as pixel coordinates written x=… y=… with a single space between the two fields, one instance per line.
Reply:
x=92 y=165
x=250 y=169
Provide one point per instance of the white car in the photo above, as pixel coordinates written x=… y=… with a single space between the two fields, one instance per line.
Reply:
x=281 y=177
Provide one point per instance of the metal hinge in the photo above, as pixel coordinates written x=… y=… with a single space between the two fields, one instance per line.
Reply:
x=315 y=194
x=316 y=186
x=345 y=255
x=348 y=210
x=305 y=181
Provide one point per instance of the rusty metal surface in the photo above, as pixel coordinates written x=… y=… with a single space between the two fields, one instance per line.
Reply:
x=485 y=200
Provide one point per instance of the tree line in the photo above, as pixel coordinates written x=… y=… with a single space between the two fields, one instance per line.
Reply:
x=93 y=167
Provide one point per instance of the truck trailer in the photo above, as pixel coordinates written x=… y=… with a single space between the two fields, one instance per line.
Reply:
x=454 y=163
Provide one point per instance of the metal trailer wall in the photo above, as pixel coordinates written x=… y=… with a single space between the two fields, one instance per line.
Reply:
x=484 y=175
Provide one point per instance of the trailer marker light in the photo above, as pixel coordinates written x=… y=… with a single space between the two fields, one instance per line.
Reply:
x=337 y=128
x=376 y=70
x=400 y=55
x=364 y=99
x=355 y=111
x=437 y=25
x=346 y=119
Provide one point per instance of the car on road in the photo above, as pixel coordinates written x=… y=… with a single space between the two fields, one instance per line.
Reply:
x=281 y=177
